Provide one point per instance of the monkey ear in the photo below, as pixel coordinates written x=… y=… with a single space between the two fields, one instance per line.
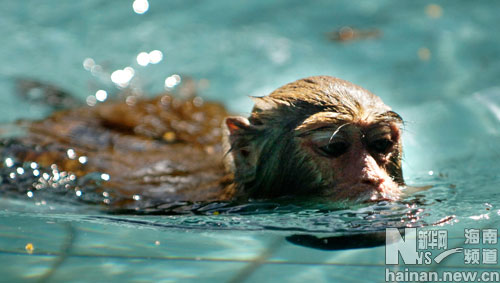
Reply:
x=241 y=157
x=236 y=123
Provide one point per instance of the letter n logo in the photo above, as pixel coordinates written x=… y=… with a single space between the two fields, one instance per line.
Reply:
x=395 y=245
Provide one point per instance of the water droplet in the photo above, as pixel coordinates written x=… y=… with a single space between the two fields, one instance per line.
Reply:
x=105 y=177
x=71 y=153
x=82 y=159
x=9 y=162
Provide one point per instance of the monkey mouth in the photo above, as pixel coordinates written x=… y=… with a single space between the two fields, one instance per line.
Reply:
x=380 y=193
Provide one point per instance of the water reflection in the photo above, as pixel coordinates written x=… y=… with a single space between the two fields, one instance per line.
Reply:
x=143 y=59
x=101 y=95
x=140 y=6
x=91 y=100
x=9 y=162
x=122 y=77
x=172 y=81
x=88 y=63
x=153 y=57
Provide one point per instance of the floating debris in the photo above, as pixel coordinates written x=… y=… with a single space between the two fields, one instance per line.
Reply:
x=169 y=136
x=424 y=54
x=434 y=11
x=29 y=248
x=345 y=34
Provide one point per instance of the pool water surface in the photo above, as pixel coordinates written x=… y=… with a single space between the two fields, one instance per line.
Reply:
x=436 y=65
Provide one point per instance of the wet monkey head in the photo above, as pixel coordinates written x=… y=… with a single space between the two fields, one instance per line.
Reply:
x=318 y=136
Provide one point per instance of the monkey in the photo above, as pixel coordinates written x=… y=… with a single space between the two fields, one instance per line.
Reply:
x=320 y=137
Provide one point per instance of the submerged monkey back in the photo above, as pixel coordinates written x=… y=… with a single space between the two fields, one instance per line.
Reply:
x=164 y=149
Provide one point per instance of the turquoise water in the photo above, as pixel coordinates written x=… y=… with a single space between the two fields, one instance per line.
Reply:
x=439 y=72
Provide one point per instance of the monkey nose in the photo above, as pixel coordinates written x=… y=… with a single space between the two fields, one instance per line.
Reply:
x=372 y=177
x=376 y=182
x=373 y=180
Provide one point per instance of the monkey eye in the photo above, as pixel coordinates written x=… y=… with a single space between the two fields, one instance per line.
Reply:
x=381 y=145
x=334 y=149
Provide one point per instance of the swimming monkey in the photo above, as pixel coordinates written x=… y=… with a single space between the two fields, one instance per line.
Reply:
x=315 y=137
x=319 y=136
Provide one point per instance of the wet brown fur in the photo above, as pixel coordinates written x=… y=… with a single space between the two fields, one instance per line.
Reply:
x=173 y=149
x=277 y=165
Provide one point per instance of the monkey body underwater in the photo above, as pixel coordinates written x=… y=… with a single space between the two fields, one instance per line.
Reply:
x=316 y=137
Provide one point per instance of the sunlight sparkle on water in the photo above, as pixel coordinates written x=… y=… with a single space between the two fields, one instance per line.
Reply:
x=71 y=153
x=88 y=63
x=140 y=6
x=153 y=57
x=9 y=162
x=82 y=159
x=91 y=100
x=101 y=95
x=479 y=217
x=122 y=77
x=105 y=177
x=143 y=59
x=172 y=81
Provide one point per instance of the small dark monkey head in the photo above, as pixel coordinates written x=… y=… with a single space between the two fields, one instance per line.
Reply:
x=319 y=136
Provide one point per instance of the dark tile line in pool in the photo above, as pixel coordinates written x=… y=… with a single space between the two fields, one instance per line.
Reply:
x=271 y=262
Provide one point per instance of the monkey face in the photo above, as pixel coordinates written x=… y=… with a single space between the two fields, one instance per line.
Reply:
x=319 y=136
x=354 y=159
